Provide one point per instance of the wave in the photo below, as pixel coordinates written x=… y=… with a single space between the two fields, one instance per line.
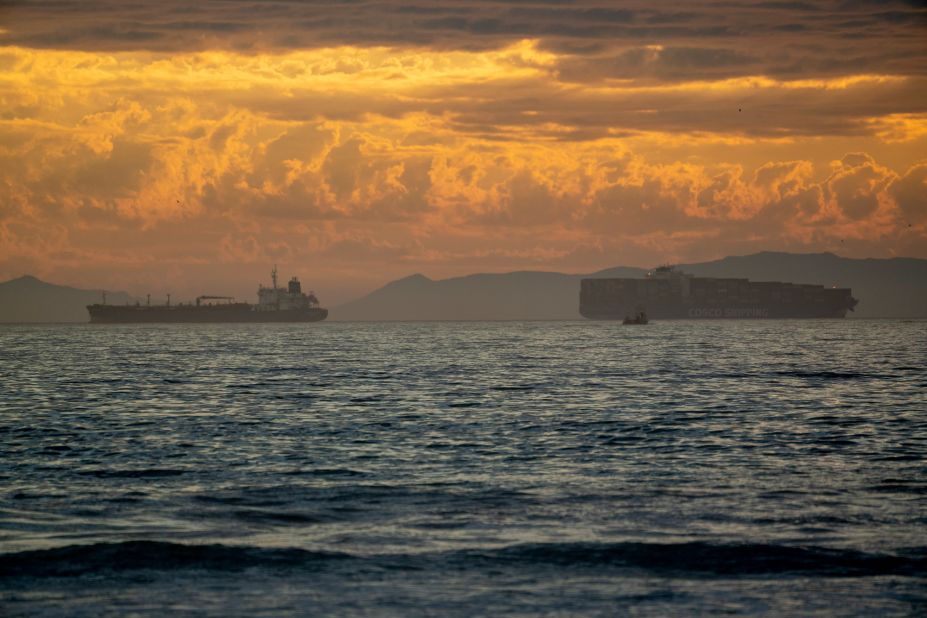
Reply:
x=824 y=375
x=722 y=559
x=131 y=474
x=684 y=559
x=75 y=560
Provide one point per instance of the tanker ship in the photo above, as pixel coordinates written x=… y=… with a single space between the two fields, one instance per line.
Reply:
x=275 y=304
x=668 y=294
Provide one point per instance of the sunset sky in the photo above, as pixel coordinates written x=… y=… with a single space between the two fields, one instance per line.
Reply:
x=187 y=147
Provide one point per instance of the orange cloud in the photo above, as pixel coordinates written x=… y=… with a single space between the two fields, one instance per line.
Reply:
x=368 y=162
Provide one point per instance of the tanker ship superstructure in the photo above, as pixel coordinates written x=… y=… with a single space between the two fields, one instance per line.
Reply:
x=275 y=304
x=667 y=293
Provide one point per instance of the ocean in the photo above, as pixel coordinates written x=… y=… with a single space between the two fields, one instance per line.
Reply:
x=464 y=469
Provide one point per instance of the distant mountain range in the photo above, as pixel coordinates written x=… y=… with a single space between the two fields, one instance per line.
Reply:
x=28 y=299
x=895 y=287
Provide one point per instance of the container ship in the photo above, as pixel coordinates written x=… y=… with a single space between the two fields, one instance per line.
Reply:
x=275 y=304
x=668 y=294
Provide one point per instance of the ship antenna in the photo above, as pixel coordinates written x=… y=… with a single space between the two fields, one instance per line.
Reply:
x=273 y=275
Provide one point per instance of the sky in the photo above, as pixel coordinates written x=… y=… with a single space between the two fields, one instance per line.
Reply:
x=187 y=147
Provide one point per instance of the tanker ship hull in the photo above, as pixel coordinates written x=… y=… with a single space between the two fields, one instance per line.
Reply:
x=275 y=304
x=675 y=296
x=238 y=313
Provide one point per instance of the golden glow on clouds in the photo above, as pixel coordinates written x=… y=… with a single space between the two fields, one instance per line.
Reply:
x=343 y=68
x=755 y=82
x=373 y=161
x=900 y=127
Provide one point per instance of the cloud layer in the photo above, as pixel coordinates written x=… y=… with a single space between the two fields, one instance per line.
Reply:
x=365 y=140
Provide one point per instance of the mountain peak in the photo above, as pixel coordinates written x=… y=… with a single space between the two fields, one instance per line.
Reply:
x=412 y=280
x=29 y=281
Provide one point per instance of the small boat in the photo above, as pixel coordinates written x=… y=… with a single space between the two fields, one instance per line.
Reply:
x=639 y=318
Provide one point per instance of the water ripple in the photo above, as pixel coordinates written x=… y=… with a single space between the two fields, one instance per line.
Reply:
x=624 y=461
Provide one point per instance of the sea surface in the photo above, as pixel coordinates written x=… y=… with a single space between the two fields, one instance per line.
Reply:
x=463 y=469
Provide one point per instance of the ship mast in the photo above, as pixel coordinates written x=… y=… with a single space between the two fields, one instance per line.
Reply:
x=273 y=276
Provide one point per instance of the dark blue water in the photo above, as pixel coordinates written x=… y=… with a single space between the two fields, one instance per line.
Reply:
x=464 y=469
